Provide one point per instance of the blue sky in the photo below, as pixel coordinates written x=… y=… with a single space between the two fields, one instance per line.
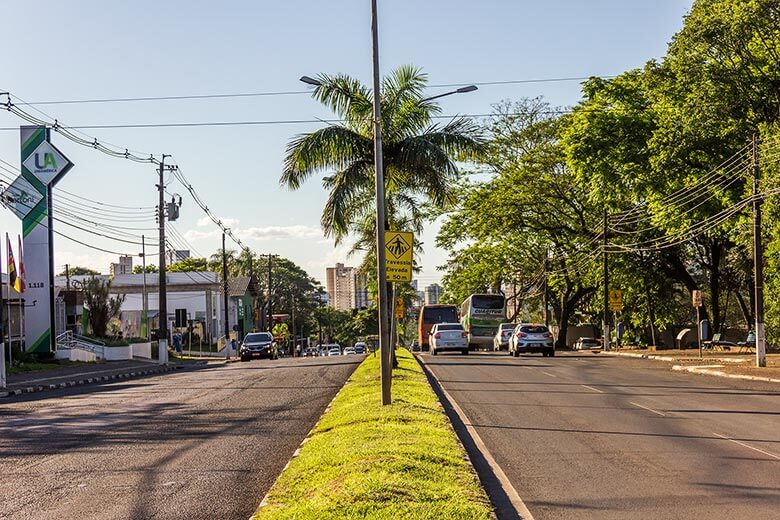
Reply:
x=89 y=49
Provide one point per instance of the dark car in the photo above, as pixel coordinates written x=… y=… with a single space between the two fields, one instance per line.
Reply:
x=258 y=345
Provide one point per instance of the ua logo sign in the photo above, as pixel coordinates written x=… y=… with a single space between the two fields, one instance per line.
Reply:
x=48 y=161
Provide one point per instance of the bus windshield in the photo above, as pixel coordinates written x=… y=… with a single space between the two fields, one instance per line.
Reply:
x=488 y=301
x=440 y=315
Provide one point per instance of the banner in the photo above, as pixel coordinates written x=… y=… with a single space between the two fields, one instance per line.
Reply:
x=13 y=279
x=22 y=274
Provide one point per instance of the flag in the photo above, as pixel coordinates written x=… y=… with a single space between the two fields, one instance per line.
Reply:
x=13 y=280
x=22 y=273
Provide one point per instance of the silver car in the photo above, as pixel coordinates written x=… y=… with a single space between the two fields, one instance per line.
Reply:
x=449 y=336
x=501 y=339
x=530 y=338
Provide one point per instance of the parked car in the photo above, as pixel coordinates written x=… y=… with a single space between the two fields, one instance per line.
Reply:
x=501 y=339
x=531 y=338
x=587 y=344
x=360 y=347
x=258 y=345
x=332 y=349
x=415 y=346
x=448 y=336
x=349 y=351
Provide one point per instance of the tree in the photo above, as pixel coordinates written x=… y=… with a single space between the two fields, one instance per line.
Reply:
x=78 y=270
x=150 y=268
x=188 y=265
x=101 y=305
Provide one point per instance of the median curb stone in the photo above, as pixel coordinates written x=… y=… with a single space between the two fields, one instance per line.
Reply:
x=710 y=372
x=91 y=380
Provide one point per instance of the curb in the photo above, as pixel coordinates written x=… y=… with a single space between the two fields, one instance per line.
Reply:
x=670 y=358
x=90 y=381
x=509 y=490
x=264 y=501
x=710 y=372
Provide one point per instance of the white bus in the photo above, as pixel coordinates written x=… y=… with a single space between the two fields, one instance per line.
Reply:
x=481 y=314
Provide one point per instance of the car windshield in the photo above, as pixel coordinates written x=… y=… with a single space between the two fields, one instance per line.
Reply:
x=259 y=337
x=508 y=326
x=533 y=329
x=449 y=326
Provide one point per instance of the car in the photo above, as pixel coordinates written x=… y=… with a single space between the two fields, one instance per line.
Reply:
x=501 y=339
x=415 y=346
x=360 y=347
x=349 y=351
x=531 y=338
x=587 y=344
x=334 y=351
x=258 y=345
x=448 y=336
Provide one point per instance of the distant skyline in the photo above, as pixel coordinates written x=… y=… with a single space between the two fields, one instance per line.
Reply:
x=151 y=49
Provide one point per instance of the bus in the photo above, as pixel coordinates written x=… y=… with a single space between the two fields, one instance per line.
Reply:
x=430 y=315
x=481 y=314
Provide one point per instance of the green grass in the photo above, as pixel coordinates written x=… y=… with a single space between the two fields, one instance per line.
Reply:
x=368 y=461
x=34 y=366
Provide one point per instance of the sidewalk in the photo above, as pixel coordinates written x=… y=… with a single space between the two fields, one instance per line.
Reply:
x=715 y=363
x=82 y=374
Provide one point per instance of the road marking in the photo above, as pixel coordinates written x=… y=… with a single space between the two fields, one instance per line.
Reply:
x=594 y=389
x=506 y=484
x=547 y=373
x=748 y=446
x=649 y=409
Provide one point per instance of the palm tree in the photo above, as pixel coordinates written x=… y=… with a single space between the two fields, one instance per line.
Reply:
x=419 y=156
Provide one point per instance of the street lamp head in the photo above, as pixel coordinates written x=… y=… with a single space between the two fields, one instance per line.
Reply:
x=469 y=88
x=311 y=81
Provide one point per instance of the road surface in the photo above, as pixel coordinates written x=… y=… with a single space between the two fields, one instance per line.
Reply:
x=205 y=443
x=583 y=436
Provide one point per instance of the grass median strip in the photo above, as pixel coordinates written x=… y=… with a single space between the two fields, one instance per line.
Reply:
x=364 y=460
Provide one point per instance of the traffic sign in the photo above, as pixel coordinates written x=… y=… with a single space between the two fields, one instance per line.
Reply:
x=616 y=300
x=399 y=308
x=398 y=249
x=696 y=294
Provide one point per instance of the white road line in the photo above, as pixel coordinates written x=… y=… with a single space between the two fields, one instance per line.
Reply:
x=594 y=389
x=506 y=484
x=748 y=446
x=649 y=409
x=547 y=373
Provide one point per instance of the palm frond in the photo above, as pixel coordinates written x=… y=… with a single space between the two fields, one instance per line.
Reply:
x=348 y=98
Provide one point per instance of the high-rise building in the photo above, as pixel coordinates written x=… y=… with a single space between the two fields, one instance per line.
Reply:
x=433 y=293
x=124 y=266
x=347 y=287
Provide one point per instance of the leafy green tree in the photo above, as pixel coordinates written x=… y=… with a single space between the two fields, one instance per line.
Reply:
x=78 y=270
x=150 y=268
x=101 y=305
x=188 y=265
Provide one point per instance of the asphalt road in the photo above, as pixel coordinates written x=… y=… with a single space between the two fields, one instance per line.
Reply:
x=205 y=443
x=584 y=436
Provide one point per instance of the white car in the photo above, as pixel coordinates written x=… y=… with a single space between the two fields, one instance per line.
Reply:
x=349 y=350
x=449 y=336
x=335 y=351
x=531 y=337
x=587 y=344
x=501 y=339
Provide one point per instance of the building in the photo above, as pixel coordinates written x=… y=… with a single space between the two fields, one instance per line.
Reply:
x=242 y=296
x=124 y=266
x=346 y=287
x=432 y=294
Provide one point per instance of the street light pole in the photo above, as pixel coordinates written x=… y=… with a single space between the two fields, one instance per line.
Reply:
x=461 y=90
x=384 y=337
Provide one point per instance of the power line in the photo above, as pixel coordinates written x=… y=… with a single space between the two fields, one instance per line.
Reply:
x=230 y=95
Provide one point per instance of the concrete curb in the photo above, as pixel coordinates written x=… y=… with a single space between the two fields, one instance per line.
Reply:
x=509 y=490
x=710 y=372
x=91 y=380
x=671 y=358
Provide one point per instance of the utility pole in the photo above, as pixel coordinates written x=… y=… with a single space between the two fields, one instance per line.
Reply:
x=605 y=323
x=225 y=300
x=758 y=264
x=319 y=315
x=162 y=316
x=292 y=321
x=251 y=280
x=3 y=381
x=67 y=277
x=546 y=290
x=145 y=295
x=385 y=349
x=270 y=297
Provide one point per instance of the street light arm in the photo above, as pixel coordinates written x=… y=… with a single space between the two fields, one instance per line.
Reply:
x=461 y=90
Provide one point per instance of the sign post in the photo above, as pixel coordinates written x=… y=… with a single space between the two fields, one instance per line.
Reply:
x=30 y=198
x=696 y=297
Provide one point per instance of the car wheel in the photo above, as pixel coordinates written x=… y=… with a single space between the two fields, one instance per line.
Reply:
x=244 y=359
x=433 y=351
x=552 y=353
x=465 y=351
x=516 y=353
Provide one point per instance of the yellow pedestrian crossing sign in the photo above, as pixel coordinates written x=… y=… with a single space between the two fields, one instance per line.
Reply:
x=616 y=300
x=398 y=250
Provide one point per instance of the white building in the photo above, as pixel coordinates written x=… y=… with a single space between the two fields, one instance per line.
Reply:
x=124 y=266
x=346 y=287
x=432 y=294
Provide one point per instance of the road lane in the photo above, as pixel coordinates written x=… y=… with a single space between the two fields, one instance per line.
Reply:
x=586 y=436
x=206 y=443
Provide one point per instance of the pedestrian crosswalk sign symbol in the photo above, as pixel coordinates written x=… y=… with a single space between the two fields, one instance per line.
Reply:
x=398 y=249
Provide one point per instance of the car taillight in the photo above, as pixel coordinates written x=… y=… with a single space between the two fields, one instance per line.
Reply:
x=521 y=335
x=471 y=328
x=437 y=336
x=548 y=335
x=464 y=335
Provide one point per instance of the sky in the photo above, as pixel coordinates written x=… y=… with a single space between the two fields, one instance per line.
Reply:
x=85 y=49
